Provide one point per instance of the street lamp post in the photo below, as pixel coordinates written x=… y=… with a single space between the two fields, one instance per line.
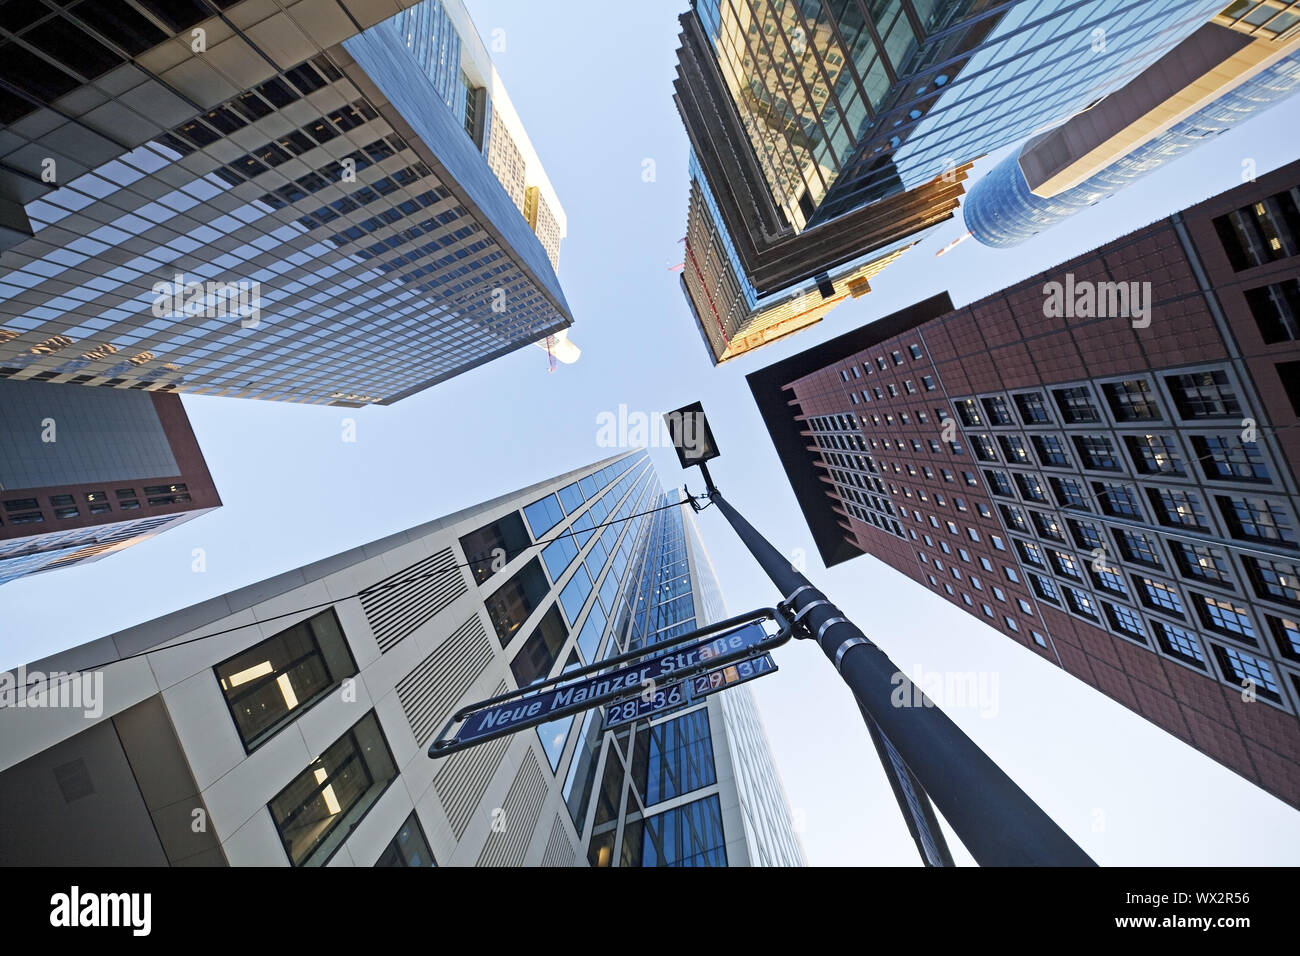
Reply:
x=997 y=821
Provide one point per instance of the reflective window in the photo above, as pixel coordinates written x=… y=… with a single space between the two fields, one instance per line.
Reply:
x=511 y=604
x=269 y=684
x=673 y=758
x=687 y=836
x=543 y=515
x=409 y=847
x=317 y=811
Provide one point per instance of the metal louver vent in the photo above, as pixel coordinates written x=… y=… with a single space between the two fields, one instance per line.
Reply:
x=435 y=685
x=559 y=851
x=464 y=778
x=506 y=845
x=401 y=602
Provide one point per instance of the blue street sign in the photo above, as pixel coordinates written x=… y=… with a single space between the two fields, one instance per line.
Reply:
x=645 y=704
x=687 y=692
x=529 y=711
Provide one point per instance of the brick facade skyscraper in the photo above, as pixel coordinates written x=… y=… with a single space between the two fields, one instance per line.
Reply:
x=1116 y=492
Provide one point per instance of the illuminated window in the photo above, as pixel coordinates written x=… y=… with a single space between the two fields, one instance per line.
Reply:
x=268 y=685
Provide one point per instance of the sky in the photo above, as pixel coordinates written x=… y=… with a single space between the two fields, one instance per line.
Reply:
x=592 y=83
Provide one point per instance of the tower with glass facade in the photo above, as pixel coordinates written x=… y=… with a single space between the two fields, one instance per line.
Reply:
x=831 y=134
x=1112 y=488
x=294 y=715
x=295 y=206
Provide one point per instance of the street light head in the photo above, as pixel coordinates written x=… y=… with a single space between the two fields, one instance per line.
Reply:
x=691 y=435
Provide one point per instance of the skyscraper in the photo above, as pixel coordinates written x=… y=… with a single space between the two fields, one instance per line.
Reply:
x=1230 y=70
x=832 y=136
x=85 y=474
x=294 y=716
x=1100 y=462
x=291 y=205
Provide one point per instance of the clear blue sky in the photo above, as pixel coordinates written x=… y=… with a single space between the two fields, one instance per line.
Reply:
x=593 y=87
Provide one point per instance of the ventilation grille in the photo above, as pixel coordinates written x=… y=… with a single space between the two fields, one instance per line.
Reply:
x=508 y=842
x=559 y=851
x=438 y=682
x=396 y=609
x=465 y=776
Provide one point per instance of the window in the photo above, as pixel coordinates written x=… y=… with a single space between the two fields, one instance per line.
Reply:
x=1179 y=508
x=1050 y=451
x=984 y=448
x=511 y=604
x=673 y=758
x=1013 y=446
x=1220 y=614
x=998 y=413
x=690 y=835
x=1031 y=554
x=1180 y=643
x=1202 y=395
x=270 y=684
x=1138 y=548
x=1159 y=595
x=1085 y=535
x=558 y=555
x=997 y=542
x=1228 y=458
x=1125 y=620
x=409 y=847
x=1047 y=526
x=1108 y=579
x=1274 y=579
x=1258 y=519
x=1131 y=401
x=1242 y=669
x=1069 y=493
x=1259 y=233
x=1065 y=564
x=968 y=411
x=1286 y=633
x=915 y=350
x=1203 y=562
x=1276 y=309
x=542 y=649
x=1118 y=500
x=999 y=483
x=1033 y=411
x=1044 y=587
x=1076 y=405
x=1155 y=454
x=1096 y=452
x=1080 y=603
x=543 y=515
x=319 y=808
x=1038 y=638
x=1030 y=487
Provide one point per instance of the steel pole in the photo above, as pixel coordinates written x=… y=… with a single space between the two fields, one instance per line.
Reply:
x=997 y=821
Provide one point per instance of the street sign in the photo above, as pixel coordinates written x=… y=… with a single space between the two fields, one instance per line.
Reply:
x=645 y=704
x=523 y=712
x=682 y=693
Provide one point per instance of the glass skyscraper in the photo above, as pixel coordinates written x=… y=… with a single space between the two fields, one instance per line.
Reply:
x=1235 y=75
x=309 y=218
x=287 y=711
x=832 y=132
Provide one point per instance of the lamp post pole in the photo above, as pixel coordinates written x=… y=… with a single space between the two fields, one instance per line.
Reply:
x=997 y=821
